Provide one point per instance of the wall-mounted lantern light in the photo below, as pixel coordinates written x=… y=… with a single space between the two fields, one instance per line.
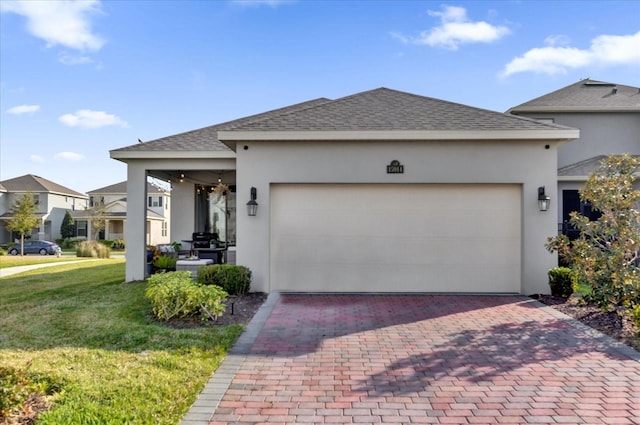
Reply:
x=543 y=199
x=252 y=205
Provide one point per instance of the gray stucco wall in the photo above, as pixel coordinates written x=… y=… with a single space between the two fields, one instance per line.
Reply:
x=600 y=134
x=527 y=163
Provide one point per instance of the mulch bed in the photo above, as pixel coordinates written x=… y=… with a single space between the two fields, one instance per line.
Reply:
x=239 y=311
x=616 y=323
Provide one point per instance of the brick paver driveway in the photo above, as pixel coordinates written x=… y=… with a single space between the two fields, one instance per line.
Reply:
x=421 y=359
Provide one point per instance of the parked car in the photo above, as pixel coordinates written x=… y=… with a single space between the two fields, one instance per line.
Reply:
x=36 y=247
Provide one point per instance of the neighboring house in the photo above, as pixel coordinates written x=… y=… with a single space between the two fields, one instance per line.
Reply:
x=608 y=116
x=380 y=191
x=111 y=202
x=53 y=201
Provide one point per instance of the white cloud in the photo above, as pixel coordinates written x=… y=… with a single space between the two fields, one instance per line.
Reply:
x=604 y=51
x=68 y=156
x=23 y=109
x=59 y=22
x=557 y=40
x=455 y=29
x=92 y=119
x=36 y=158
x=67 y=59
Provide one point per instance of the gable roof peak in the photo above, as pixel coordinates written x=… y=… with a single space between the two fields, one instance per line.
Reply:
x=585 y=95
x=34 y=183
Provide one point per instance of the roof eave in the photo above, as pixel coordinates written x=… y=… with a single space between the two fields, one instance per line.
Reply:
x=231 y=137
x=213 y=154
x=576 y=109
x=572 y=178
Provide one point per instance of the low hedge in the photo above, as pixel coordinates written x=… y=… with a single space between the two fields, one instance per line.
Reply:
x=234 y=279
x=561 y=281
x=176 y=295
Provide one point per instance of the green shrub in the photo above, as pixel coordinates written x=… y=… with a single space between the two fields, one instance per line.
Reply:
x=2 y=252
x=69 y=243
x=92 y=249
x=234 y=279
x=166 y=262
x=106 y=242
x=175 y=294
x=118 y=244
x=561 y=281
x=635 y=315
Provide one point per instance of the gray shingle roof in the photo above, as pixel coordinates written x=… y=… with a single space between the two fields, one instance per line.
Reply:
x=584 y=96
x=384 y=109
x=380 y=109
x=583 y=168
x=33 y=183
x=206 y=139
x=122 y=188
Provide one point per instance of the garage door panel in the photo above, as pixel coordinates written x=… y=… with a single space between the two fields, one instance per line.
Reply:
x=395 y=238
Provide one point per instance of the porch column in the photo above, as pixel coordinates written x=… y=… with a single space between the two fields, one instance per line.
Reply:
x=135 y=226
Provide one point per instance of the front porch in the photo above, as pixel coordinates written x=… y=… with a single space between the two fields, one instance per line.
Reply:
x=197 y=205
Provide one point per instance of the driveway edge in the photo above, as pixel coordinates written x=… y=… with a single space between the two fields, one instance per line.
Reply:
x=602 y=338
x=202 y=409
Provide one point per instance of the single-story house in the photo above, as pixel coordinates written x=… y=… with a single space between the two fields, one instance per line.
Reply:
x=380 y=191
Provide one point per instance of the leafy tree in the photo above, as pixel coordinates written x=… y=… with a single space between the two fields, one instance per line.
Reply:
x=67 y=227
x=24 y=217
x=605 y=255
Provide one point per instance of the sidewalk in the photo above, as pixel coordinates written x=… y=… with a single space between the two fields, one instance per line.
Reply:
x=9 y=271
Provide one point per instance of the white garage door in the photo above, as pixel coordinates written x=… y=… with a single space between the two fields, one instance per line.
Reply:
x=395 y=238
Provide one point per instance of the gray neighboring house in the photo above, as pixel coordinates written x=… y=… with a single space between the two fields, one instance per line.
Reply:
x=380 y=191
x=608 y=116
x=114 y=199
x=53 y=201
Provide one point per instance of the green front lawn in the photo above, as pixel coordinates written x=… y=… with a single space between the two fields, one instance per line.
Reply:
x=81 y=327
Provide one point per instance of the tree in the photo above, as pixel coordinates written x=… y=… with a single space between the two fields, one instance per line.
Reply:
x=97 y=218
x=24 y=217
x=67 y=226
x=605 y=255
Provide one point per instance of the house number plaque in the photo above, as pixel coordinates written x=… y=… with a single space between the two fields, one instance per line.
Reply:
x=395 y=167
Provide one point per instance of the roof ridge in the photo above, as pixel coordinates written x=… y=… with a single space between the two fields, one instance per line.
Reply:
x=313 y=103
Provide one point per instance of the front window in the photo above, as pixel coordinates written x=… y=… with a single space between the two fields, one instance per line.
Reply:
x=81 y=228
x=216 y=213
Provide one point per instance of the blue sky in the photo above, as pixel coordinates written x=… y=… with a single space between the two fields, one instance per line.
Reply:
x=78 y=79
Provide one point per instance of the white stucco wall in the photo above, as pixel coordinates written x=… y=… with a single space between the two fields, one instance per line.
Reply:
x=527 y=163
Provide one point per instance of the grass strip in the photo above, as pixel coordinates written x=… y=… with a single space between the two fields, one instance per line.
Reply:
x=82 y=326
